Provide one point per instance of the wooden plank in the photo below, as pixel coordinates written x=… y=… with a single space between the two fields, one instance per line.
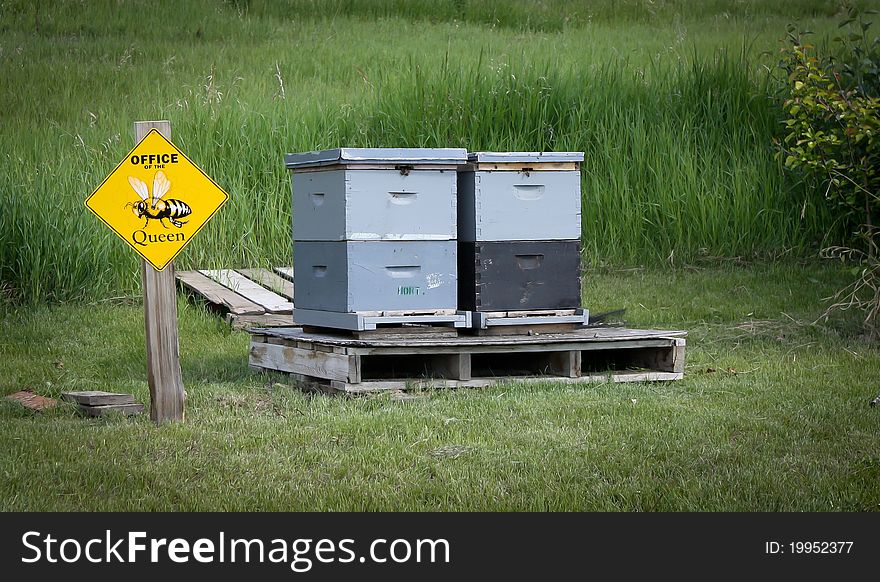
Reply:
x=566 y=364
x=533 y=330
x=308 y=362
x=526 y=166
x=354 y=369
x=454 y=366
x=583 y=336
x=403 y=385
x=268 y=300
x=509 y=347
x=270 y=281
x=402 y=312
x=406 y=332
x=286 y=272
x=678 y=356
x=532 y=313
x=261 y=320
x=669 y=359
x=393 y=385
x=98 y=398
x=217 y=294
x=349 y=166
x=126 y=409
x=167 y=396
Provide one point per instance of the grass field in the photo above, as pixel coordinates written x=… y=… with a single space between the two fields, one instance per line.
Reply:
x=689 y=222
x=772 y=416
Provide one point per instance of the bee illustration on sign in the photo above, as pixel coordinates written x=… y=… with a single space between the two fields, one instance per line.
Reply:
x=156 y=208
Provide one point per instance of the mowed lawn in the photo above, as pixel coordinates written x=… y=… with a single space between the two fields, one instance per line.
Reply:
x=772 y=415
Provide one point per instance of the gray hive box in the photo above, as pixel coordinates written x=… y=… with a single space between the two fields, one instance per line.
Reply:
x=358 y=276
x=375 y=194
x=520 y=196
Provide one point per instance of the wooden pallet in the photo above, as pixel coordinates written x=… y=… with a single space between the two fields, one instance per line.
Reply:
x=248 y=297
x=335 y=363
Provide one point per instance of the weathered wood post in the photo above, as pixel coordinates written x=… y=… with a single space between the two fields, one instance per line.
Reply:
x=167 y=397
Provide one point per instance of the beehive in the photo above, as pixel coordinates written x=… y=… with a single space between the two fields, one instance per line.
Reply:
x=519 y=231
x=375 y=230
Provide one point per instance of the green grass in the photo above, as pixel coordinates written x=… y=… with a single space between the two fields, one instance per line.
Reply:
x=772 y=416
x=672 y=103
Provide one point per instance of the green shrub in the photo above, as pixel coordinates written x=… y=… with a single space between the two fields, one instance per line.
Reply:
x=833 y=138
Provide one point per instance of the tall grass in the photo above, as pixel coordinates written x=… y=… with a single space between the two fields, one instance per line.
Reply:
x=675 y=117
x=546 y=15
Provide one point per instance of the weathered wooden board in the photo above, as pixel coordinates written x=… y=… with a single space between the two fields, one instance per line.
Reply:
x=525 y=167
x=302 y=361
x=530 y=313
x=268 y=300
x=358 y=322
x=261 y=320
x=270 y=280
x=217 y=294
x=587 y=336
x=98 y=398
x=418 y=384
x=126 y=409
x=347 y=166
x=405 y=333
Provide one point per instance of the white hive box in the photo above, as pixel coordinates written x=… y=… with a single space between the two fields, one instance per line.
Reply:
x=388 y=194
x=515 y=196
x=357 y=276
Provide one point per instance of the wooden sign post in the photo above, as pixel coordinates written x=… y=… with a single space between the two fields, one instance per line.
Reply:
x=157 y=200
x=160 y=321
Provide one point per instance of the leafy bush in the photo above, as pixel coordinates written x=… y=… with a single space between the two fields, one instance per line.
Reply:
x=833 y=137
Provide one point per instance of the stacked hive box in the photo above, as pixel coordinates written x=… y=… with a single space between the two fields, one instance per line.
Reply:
x=519 y=229
x=374 y=235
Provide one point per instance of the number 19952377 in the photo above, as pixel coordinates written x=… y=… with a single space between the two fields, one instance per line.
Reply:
x=820 y=547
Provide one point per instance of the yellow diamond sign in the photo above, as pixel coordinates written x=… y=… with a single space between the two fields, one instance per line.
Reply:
x=156 y=199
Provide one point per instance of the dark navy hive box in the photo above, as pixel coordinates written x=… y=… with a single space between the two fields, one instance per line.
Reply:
x=519 y=275
x=519 y=231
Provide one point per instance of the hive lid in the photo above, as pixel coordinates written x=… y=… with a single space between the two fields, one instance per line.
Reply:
x=525 y=157
x=378 y=156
